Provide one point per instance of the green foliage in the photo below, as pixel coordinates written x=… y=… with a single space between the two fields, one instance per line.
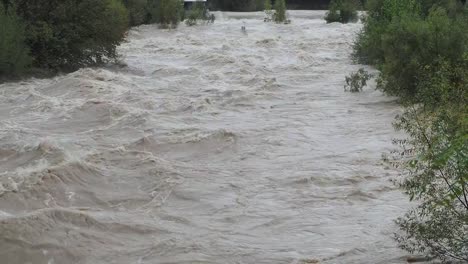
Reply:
x=343 y=11
x=411 y=43
x=260 y=5
x=68 y=34
x=14 y=54
x=280 y=11
x=357 y=80
x=435 y=159
x=198 y=12
x=402 y=42
x=137 y=11
x=368 y=47
x=167 y=13
x=381 y=13
x=420 y=47
x=400 y=8
x=267 y=5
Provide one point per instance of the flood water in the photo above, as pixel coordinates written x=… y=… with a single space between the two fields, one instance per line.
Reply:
x=210 y=146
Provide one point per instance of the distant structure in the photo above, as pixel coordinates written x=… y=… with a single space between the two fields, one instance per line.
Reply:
x=188 y=3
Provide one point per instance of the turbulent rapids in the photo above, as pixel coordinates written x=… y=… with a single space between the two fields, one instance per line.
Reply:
x=206 y=145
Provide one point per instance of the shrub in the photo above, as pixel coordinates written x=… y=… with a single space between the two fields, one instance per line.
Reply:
x=412 y=43
x=280 y=11
x=367 y=49
x=435 y=159
x=400 y=40
x=137 y=11
x=343 y=11
x=198 y=12
x=14 y=54
x=68 y=34
x=437 y=178
x=167 y=13
x=421 y=47
x=356 y=81
x=380 y=13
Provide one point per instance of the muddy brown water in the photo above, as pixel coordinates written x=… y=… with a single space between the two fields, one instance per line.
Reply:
x=211 y=146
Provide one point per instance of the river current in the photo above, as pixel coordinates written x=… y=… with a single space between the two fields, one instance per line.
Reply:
x=206 y=144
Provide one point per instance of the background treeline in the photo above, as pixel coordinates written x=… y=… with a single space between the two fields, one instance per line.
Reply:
x=421 y=50
x=47 y=36
x=258 y=5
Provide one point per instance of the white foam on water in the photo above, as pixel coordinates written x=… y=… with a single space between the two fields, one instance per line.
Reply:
x=209 y=146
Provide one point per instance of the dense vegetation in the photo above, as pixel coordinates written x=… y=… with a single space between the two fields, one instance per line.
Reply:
x=167 y=13
x=46 y=37
x=56 y=35
x=280 y=11
x=61 y=37
x=421 y=50
x=138 y=11
x=198 y=12
x=343 y=11
x=14 y=53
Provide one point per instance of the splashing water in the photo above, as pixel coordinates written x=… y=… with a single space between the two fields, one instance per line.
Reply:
x=209 y=146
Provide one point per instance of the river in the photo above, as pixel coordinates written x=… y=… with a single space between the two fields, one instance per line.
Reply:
x=205 y=145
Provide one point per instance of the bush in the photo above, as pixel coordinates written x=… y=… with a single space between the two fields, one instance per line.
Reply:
x=343 y=11
x=198 y=12
x=435 y=159
x=68 y=34
x=356 y=81
x=137 y=11
x=368 y=47
x=380 y=13
x=167 y=13
x=420 y=47
x=280 y=11
x=401 y=40
x=14 y=54
x=410 y=44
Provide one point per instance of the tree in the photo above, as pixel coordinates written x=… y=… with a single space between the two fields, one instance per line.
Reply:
x=197 y=12
x=343 y=11
x=167 y=13
x=138 y=11
x=68 y=34
x=435 y=159
x=421 y=47
x=280 y=11
x=14 y=54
